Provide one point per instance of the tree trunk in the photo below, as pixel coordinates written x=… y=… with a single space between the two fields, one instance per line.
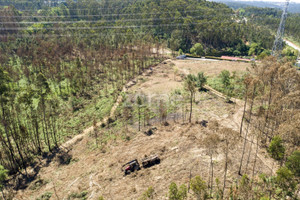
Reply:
x=139 y=109
x=249 y=154
x=191 y=107
x=255 y=158
x=245 y=105
x=46 y=134
x=212 y=174
x=245 y=139
x=268 y=110
x=144 y=117
x=225 y=171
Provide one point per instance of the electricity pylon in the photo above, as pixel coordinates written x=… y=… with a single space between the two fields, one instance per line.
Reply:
x=277 y=48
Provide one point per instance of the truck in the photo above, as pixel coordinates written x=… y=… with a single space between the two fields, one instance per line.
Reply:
x=134 y=165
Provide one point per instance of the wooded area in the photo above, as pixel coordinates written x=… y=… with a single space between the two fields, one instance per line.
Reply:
x=180 y=24
x=62 y=67
x=270 y=18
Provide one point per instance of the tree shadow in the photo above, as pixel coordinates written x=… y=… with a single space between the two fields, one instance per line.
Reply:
x=22 y=180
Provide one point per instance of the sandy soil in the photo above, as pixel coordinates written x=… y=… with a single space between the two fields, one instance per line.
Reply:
x=211 y=68
x=180 y=146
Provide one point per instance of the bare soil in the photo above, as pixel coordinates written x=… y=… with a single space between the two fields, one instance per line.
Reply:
x=211 y=68
x=180 y=146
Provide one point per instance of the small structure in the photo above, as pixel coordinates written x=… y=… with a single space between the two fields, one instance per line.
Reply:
x=235 y=59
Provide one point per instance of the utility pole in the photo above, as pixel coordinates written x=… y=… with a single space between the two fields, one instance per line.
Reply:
x=277 y=48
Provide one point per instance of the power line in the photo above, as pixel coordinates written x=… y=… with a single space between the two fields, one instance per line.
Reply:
x=93 y=28
x=280 y=32
x=72 y=35
x=104 y=15
x=115 y=20
x=88 y=34
x=58 y=3
x=101 y=8
x=109 y=27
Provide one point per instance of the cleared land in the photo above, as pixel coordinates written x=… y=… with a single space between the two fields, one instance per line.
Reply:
x=211 y=68
x=181 y=146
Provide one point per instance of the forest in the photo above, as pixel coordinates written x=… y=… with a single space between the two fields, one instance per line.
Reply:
x=214 y=25
x=63 y=65
x=270 y=17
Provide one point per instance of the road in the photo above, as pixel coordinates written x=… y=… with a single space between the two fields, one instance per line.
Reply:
x=292 y=45
x=203 y=59
x=295 y=47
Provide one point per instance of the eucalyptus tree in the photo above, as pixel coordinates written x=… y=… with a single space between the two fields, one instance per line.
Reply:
x=190 y=86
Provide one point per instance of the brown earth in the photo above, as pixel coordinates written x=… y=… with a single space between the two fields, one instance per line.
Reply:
x=180 y=146
x=211 y=68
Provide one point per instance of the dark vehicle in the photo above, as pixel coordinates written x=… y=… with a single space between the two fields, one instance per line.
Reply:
x=181 y=57
x=131 y=167
x=150 y=161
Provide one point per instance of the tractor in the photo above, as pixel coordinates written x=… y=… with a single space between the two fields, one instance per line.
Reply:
x=131 y=167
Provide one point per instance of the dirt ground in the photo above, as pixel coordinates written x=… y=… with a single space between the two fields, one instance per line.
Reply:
x=211 y=68
x=180 y=146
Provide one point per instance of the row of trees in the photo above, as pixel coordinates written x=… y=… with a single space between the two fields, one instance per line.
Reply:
x=272 y=117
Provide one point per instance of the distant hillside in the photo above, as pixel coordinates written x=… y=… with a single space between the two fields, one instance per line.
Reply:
x=294 y=7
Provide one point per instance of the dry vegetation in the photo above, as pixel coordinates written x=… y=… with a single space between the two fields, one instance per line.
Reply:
x=183 y=148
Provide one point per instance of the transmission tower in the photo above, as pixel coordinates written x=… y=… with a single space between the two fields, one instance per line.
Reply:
x=276 y=51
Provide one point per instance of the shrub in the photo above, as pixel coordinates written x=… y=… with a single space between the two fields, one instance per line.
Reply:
x=3 y=176
x=199 y=187
x=182 y=192
x=177 y=194
x=148 y=194
x=173 y=191
x=77 y=103
x=225 y=78
x=180 y=52
x=197 y=49
x=263 y=55
x=45 y=196
x=285 y=180
x=82 y=195
x=276 y=148
x=236 y=52
x=293 y=163
x=201 y=80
